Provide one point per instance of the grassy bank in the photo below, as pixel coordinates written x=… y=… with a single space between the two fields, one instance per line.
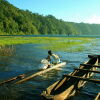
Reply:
x=53 y=43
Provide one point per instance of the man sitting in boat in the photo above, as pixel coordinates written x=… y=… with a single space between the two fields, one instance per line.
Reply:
x=53 y=58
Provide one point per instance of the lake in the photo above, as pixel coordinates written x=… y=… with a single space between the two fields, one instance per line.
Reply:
x=22 y=58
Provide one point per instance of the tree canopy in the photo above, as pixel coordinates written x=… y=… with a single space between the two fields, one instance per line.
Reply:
x=14 y=21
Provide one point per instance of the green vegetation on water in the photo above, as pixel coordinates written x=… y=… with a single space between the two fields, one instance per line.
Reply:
x=53 y=43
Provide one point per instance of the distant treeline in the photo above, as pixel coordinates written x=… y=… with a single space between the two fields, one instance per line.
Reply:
x=14 y=21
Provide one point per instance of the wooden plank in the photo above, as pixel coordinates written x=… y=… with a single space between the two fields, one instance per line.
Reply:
x=90 y=65
x=84 y=79
x=91 y=56
x=13 y=78
x=87 y=70
x=97 y=97
x=41 y=72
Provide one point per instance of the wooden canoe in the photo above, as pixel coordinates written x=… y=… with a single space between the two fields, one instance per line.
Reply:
x=97 y=97
x=41 y=72
x=68 y=86
x=91 y=56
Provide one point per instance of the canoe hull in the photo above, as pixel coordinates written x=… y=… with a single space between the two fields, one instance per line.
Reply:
x=66 y=87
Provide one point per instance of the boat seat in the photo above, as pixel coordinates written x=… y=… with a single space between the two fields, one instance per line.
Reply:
x=82 y=78
x=90 y=65
x=87 y=70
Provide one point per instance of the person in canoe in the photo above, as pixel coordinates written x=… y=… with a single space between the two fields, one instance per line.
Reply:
x=53 y=58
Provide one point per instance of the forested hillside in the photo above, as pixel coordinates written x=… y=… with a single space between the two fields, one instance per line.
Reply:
x=14 y=21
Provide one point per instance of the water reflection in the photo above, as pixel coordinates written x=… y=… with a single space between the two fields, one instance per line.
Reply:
x=6 y=53
x=7 y=50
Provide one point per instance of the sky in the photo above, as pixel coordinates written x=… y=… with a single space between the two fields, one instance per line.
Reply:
x=87 y=11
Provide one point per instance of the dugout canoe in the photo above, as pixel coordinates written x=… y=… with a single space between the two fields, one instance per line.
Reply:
x=41 y=72
x=69 y=84
x=91 y=56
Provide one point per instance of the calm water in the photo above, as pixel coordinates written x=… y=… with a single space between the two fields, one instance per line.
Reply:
x=26 y=58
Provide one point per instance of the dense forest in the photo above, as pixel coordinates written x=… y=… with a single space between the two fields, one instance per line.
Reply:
x=14 y=21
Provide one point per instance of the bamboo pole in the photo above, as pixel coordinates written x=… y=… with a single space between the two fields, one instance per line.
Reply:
x=87 y=70
x=84 y=79
x=41 y=72
x=12 y=79
x=97 y=97
x=90 y=65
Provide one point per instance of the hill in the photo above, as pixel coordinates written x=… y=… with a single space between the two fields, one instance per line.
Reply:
x=14 y=21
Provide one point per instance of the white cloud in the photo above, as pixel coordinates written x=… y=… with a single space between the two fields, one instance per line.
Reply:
x=93 y=20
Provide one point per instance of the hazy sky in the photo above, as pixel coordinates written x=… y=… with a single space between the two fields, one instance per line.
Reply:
x=87 y=11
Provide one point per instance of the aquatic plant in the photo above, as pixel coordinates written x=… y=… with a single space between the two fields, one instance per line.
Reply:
x=53 y=43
